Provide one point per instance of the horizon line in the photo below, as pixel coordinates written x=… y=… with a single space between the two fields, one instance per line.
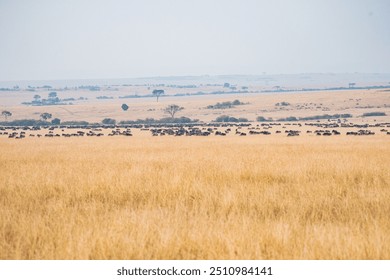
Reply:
x=197 y=76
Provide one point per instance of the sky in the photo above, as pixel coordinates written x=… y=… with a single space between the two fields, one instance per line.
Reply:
x=80 y=39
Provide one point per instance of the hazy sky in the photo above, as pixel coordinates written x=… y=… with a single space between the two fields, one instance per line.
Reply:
x=77 y=39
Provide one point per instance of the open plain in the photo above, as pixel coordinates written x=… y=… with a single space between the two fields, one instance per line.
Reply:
x=254 y=197
x=118 y=192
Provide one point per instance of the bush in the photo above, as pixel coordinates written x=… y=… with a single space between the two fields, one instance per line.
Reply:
x=225 y=105
x=55 y=121
x=262 y=119
x=374 y=114
x=289 y=119
x=225 y=118
x=30 y=122
x=25 y=122
x=326 y=116
x=140 y=121
x=283 y=103
x=108 y=121
x=319 y=117
x=76 y=123
x=160 y=121
x=124 y=107
x=177 y=120
x=104 y=97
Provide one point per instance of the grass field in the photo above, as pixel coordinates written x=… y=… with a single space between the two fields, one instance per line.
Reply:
x=302 y=104
x=195 y=198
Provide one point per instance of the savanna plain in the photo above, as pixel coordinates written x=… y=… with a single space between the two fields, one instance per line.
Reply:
x=180 y=197
x=195 y=198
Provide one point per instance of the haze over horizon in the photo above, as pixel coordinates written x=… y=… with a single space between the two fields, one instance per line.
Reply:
x=58 y=40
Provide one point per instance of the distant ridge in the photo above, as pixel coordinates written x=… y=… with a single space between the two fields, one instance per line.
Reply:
x=288 y=81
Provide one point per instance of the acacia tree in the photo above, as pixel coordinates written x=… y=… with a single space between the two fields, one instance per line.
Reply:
x=46 y=116
x=53 y=95
x=172 y=110
x=158 y=92
x=6 y=114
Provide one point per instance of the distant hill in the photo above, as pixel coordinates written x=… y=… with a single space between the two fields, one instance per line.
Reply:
x=282 y=81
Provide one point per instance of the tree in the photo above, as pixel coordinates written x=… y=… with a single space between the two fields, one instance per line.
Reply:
x=6 y=114
x=37 y=97
x=53 y=98
x=56 y=121
x=158 y=92
x=53 y=95
x=124 y=107
x=46 y=116
x=172 y=110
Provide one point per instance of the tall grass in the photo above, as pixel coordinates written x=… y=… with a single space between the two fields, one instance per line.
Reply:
x=195 y=198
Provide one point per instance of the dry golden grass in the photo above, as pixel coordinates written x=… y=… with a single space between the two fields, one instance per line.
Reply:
x=195 y=198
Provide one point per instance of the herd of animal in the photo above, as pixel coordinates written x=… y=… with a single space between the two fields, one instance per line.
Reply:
x=208 y=129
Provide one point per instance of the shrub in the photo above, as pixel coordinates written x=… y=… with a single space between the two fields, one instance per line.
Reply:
x=326 y=116
x=104 y=97
x=124 y=107
x=374 y=114
x=177 y=120
x=262 y=119
x=160 y=121
x=289 y=119
x=225 y=105
x=55 y=121
x=25 y=122
x=283 y=103
x=75 y=123
x=108 y=121
x=225 y=118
